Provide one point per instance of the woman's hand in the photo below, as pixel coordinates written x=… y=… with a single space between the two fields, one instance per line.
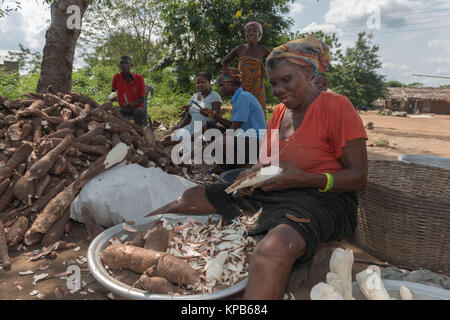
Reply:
x=290 y=177
x=207 y=113
x=244 y=174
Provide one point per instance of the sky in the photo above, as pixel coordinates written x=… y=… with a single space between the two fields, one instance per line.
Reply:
x=413 y=35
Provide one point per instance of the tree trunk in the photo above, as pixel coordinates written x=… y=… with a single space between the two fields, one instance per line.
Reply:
x=59 y=50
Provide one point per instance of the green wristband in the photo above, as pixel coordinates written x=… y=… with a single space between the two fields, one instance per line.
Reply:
x=330 y=183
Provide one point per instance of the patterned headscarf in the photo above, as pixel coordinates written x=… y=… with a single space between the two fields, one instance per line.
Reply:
x=255 y=23
x=308 y=51
x=229 y=74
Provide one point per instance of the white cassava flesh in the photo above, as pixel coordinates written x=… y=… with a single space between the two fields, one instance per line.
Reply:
x=323 y=291
x=405 y=293
x=215 y=269
x=370 y=284
x=336 y=282
x=341 y=263
x=263 y=174
x=116 y=155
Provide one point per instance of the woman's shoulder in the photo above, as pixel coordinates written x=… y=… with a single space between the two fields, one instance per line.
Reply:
x=214 y=95
x=266 y=50
x=278 y=110
x=334 y=101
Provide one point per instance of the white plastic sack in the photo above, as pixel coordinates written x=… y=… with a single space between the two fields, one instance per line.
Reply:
x=127 y=192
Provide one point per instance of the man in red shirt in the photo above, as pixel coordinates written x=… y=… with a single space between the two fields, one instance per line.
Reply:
x=131 y=91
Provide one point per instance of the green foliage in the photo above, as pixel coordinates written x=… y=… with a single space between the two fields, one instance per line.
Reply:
x=7 y=6
x=199 y=33
x=29 y=62
x=415 y=85
x=112 y=36
x=12 y=85
x=356 y=77
x=394 y=84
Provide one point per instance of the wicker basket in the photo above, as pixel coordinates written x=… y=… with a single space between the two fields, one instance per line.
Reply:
x=404 y=215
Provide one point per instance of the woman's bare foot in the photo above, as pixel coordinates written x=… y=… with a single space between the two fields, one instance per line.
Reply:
x=93 y=228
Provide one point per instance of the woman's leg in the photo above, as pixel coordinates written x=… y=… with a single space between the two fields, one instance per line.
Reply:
x=192 y=201
x=272 y=261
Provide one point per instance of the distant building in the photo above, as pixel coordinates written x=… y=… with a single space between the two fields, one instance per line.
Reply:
x=413 y=100
x=10 y=66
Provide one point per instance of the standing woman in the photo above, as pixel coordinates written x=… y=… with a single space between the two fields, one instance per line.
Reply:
x=251 y=62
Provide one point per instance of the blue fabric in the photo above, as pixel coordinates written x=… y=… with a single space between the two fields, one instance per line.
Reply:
x=248 y=110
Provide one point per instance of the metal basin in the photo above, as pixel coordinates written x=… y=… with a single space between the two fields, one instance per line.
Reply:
x=122 y=290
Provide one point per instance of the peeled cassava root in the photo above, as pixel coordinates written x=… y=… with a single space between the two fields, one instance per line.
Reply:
x=261 y=175
x=338 y=284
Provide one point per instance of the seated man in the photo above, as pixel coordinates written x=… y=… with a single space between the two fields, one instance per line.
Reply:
x=131 y=91
x=247 y=114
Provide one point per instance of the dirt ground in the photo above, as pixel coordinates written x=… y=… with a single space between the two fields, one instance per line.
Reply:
x=430 y=136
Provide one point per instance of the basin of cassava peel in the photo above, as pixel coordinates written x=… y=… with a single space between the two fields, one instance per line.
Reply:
x=202 y=258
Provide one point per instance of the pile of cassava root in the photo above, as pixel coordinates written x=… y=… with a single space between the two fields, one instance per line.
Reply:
x=51 y=145
x=184 y=259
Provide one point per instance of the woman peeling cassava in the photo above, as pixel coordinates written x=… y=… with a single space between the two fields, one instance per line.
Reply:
x=323 y=154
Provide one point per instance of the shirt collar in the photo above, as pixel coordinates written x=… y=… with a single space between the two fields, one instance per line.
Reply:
x=132 y=75
x=236 y=94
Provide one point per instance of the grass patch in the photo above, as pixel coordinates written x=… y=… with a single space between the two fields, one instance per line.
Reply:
x=382 y=143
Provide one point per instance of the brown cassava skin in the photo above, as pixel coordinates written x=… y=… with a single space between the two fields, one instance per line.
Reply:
x=137 y=240
x=25 y=187
x=19 y=157
x=157 y=285
x=8 y=195
x=175 y=270
x=45 y=199
x=44 y=147
x=32 y=238
x=41 y=184
x=60 y=133
x=9 y=120
x=43 y=165
x=27 y=130
x=78 y=97
x=14 y=132
x=72 y=171
x=89 y=148
x=57 y=230
x=88 y=136
x=128 y=277
x=6 y=263
x=157 y=239
x=54 y=209
x=4 y=185
x=99 y=140
x=58 y=205
x=123 y=257
x=17 y=231
x=24 y=190
x=33 y=110
x=37 y=129
x=53 y=109
x=115 y=139
x=59 y=166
